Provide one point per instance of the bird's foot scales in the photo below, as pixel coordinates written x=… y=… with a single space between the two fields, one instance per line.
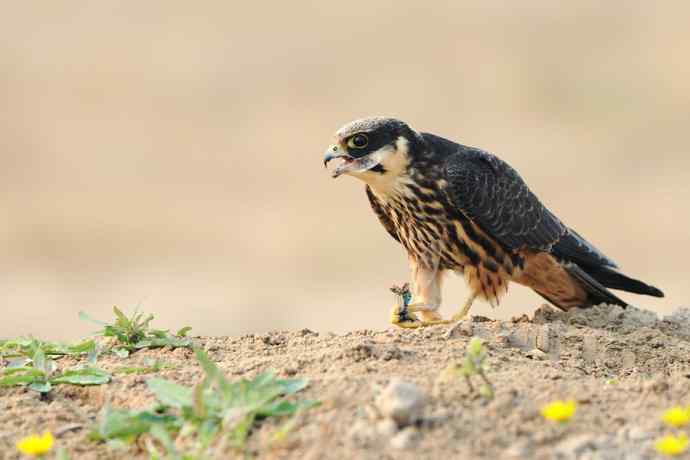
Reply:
x=405 y=318
x=412 y=315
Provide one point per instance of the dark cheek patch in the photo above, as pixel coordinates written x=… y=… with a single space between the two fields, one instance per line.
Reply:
x=378 y=169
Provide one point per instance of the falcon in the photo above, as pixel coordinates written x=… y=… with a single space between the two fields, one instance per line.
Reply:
x=461 y=209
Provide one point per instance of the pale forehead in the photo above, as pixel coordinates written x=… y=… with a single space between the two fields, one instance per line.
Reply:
x=364 y=125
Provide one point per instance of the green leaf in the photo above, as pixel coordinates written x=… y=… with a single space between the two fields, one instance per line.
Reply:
x=161 y=434
x=210 y=369
x=88 y=376
x=41 y=387
x=125 y=425
x=199 y=408
x=207 y=430
x=18 y=363
x=264 y=378
x=170 y=393
x=241 y=429
x=39 y=359
x=25 y=370
x=121 y=353
x=13 y=380
x=284 y=407
x=159 y=333
x=92 y=356
x=145 y=325
x=121 y=318
x=146 y=343
x=292 y=386
x=51 y=366
x=183 y=332
x=474 y=348
x=87 y=346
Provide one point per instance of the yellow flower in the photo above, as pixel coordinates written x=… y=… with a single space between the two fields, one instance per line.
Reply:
x=672 y=445
x=35 y=445
x=559 y=411
x=676 y=416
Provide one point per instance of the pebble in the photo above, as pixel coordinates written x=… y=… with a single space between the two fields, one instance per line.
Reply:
x=386 y=427
x=401 y=401
x=536 y=354
x=405 y=439
x=361 y=434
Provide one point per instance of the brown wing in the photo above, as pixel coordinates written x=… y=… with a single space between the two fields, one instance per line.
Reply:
x=557 y=259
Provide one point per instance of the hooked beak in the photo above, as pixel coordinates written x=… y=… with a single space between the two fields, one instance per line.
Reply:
x=334 y=152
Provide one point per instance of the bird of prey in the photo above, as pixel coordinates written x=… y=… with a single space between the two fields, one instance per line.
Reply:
x=461 y=209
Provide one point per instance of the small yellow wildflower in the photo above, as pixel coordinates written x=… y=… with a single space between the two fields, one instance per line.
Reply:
x=672 y=445
x=676 y=416
x=559 y=411
x=35 y=445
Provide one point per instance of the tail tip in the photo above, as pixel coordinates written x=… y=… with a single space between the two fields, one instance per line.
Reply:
x=654 y=292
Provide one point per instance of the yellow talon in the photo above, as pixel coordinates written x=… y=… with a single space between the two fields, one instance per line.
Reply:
x=403 y=313
x=405 y=317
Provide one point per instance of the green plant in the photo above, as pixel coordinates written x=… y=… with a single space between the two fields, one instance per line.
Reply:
x=41 y=373
x=134 y=333
x=215 y=412
x=26 y=348
x=474 y=364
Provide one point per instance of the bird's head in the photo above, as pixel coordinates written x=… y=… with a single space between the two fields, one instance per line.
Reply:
x=372 y=148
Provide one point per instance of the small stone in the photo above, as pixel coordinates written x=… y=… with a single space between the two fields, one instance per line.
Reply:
x=523 y=336
x=589 y=349
x=290 y=371
x=274 y=339
x=387 y=427
x=547 y=340
x=405 y=439
x=635 y=434
x=576 y=446
x=681 y=317
x=536 y=354
x=503 y=339
x=480 y=319
x=211 y=346
x=305 y=331
x=546 y=314
x=520 y=319
x=628 y=359
x=401 y=401
x=518 y=450
x=361 y=433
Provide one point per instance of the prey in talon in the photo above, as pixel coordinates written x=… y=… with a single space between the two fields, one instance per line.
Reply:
x=403 y=297
x=456 y=208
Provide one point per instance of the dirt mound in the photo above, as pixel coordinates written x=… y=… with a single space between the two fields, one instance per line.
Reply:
x=623 y=367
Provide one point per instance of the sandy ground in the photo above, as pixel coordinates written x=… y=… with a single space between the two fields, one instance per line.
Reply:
x=622 y=367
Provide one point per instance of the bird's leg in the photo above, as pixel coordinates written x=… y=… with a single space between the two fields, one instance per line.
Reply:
x=427 y=300
x=458 y=318
x=462 y=314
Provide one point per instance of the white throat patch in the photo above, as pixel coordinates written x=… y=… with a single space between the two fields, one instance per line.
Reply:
x=395 y=162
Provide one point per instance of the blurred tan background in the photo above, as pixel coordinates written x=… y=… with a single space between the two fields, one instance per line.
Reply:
x=169 y=156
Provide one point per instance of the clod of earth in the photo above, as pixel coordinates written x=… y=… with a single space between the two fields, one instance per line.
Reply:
x=402 y=401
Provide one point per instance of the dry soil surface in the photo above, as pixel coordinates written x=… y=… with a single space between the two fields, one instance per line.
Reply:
x=623 y=367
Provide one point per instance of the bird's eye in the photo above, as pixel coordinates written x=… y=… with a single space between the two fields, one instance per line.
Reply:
x=358 y=141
